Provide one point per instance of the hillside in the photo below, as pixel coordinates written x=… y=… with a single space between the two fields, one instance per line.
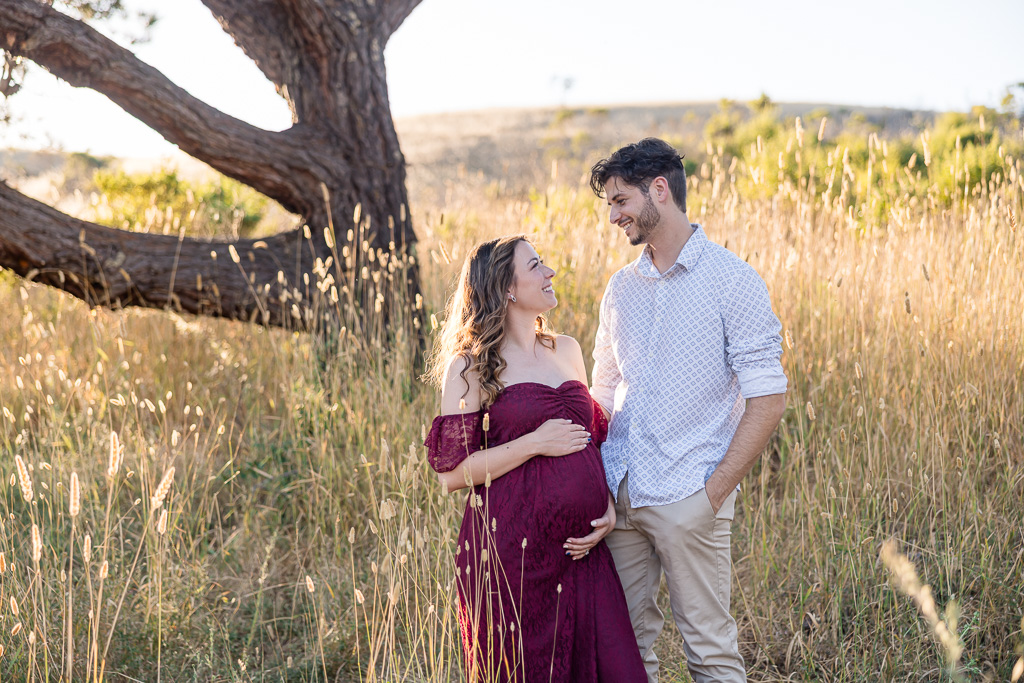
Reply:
x=516 y=147
x=513 y=148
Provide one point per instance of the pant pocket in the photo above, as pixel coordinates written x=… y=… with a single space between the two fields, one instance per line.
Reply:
x=728 y=509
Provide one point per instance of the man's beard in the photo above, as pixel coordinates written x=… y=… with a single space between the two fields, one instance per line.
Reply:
x=645 y=223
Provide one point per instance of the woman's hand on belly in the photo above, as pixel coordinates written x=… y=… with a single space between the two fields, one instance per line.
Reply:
x=578 y=548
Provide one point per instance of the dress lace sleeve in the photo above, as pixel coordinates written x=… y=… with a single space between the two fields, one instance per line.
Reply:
x=452 y=438
x=599 y=428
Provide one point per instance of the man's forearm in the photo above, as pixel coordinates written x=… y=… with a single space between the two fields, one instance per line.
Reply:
x=760 y=418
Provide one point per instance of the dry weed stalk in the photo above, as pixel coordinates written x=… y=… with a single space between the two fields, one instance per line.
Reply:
x=904 y=576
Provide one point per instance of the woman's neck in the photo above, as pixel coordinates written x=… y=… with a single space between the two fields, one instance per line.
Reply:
x=520 y=332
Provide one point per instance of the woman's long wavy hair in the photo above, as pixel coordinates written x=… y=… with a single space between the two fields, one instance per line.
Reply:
x=474 y=325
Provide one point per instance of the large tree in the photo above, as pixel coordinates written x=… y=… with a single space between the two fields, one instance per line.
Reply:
x=338 y=164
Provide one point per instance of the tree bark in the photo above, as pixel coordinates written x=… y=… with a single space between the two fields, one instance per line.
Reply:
x=116 y=268
x=339 y=164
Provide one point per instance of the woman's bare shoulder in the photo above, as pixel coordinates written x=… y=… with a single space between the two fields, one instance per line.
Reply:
x=566 y=344
x=461 y=390
x=569 y=351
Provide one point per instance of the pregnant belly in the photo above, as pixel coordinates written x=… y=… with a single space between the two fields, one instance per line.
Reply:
x=550 y=499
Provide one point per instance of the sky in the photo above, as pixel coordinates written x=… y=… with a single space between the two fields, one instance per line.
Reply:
x=453 y=55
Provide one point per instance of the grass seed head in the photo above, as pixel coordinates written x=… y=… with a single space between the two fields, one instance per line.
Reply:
x=75 y=493
x=309 y=585
x=14 y=606
x=24 y=478
x=163 y=488
x=116 y=455
x=37 y=544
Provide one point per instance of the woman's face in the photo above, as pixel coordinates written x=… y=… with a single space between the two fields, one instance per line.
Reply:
x=532 y=288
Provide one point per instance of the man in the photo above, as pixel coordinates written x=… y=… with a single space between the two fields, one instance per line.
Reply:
x=687 y=366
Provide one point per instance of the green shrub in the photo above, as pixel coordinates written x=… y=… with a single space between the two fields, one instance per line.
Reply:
x=162 y=201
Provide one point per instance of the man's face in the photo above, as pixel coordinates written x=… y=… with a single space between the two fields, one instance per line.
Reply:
x=633 y=210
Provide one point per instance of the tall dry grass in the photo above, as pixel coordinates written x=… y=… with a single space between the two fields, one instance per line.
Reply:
x=255 y=504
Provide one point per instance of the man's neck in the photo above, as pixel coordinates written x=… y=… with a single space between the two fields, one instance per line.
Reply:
x=669 y=242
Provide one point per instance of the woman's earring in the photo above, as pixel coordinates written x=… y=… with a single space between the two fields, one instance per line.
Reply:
x=512 y=298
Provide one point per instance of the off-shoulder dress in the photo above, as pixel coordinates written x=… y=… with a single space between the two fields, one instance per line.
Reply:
x=529 y=613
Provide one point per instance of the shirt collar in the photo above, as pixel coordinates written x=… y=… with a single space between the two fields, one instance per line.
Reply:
x=687 y=259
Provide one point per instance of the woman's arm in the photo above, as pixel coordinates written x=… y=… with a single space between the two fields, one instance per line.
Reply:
x=553 y=438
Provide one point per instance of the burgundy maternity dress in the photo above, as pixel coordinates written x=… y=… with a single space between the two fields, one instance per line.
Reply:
x=527 y=611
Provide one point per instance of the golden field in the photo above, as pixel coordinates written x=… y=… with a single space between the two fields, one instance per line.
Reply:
x=256 y=505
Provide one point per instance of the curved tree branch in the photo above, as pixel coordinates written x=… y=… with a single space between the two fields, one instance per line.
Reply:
x=82 y=56
x=342 y=159
x=116 y=268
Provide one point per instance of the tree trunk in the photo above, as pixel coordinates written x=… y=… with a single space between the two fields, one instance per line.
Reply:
x=339 y=165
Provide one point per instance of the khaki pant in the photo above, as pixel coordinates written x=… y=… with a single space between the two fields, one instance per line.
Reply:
x=691 y=543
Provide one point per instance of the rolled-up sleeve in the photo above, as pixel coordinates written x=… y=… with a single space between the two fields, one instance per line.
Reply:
x=753 y=343
x=605 y=377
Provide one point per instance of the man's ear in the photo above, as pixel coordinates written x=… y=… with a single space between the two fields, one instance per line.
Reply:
x=659 y=188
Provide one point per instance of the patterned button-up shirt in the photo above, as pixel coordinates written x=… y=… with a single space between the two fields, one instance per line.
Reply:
x=676 y=355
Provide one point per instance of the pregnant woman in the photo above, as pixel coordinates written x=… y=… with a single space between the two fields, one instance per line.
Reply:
x=539 y=598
